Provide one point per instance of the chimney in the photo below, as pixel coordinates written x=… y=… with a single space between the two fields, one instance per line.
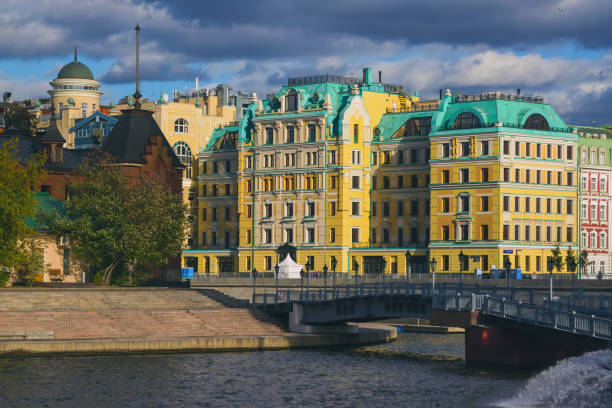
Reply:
x=380 y=77
x=440 y=94
x=518 y=91
x=367 y=76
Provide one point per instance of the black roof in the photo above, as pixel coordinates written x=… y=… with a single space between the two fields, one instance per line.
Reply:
x=52 y=135
x=133 y=132
x=29 y=146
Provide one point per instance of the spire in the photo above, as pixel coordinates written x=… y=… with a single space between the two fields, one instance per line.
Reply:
x=137 y=94
x=75 y=53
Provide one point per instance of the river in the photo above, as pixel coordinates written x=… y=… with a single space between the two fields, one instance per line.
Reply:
x=417 y=370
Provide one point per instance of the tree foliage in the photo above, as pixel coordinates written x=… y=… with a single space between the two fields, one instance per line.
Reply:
x=120 y=226
x=17 y=202
x=557 y=258
x=583 y=259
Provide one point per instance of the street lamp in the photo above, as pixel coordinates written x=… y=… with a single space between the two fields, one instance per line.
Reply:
x=572 y=268
x=551 y=266
x=408 y=266
x=432 y=265
x=301 y=282
x=325 y=280
x=356 y=269
x=254 y=275
x=507 y=266
x=276 y=269
x=383 y=264
x=461 y=257
x=334 y=263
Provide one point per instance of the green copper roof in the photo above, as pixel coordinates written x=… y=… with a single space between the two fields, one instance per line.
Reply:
x=75 y=70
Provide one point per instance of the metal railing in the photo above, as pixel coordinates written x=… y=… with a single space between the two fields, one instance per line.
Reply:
x=548 y=315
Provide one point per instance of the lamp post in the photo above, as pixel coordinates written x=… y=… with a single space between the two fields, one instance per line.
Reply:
x=308 y=269
x=408 y=265
x=507 y=266
x=325 y=280
x=432 y=265
x=276 y=269
x=356 y=269
x=551 y=266
x=334 y=263
x=301 y=282
x=254 y=275
x=461 y=257
x=572 y=268
x=383 y=264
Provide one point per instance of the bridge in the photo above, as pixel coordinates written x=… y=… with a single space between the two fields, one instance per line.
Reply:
x=504 y=325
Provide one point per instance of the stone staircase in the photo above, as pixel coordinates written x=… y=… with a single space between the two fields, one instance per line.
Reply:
x=128 y=313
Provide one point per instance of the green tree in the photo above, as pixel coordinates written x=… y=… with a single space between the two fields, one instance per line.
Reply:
x=557 y=258
x=117 y=225
x=583 y=260
x=17 y=201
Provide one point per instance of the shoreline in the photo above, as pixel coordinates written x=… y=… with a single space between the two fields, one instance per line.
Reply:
x=369 y=333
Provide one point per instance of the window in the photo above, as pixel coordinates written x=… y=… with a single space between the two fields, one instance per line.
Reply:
x=465 y=149
x=506 y=174
x=312 y=134
x=593 y=184
x=288 y=209
x=414 y=180
x=528 y=149
x=538 y=150
x=538 y=205
x=584 y=240
x=268 y=210
x=465 y=203
x=332 y=235
x=484 y=174
x=227 y=215
x=183 y=152
x=414 y=235
x=538 y=233
x=593 y=156
x=289 y=235
x=484 y=203
x=290 y=134
x=528 y=176
x=517 y=175
x=400 y=181
x=355 y=133
x=374 y=158
x=386 y=157
x=445 y=233
x=446 y=204
x=310 y=209
x=268 y=236
x=445 y=149
x=310 y=235
x=570 y=207
x=332 y=208
x=602 y=240
x=517 y=233
x=355 y=184
x=464 y=230
x=67 y=267
x=248 y=162
x=602 y=158
x=549 y=233
x=602 y=212
x=400 y=157
x=559 y=178
x=506 y=232
x=466 y=120
x=414 y=208
x=559 y=235
x=355 y=235
x=386 y=181
x=203 y=238
x=84 y=110
x=484 y=147
x=602 y=184
x=527 y=204
x=559 y=205
x=570 y=234
x=249 y=208
x=181 y=126
x=203 y=214
x=292 y=101
x=332 y=157
x=445 y=176
x=414 y=156
x=517 y=204
x=268 y=263
x=593 y=240
x=506 y=203
x=214 y=213
x=385 y=208
x=506 y=147
x=484 y=232
x=536 y=121
x=400 y=208
x=227 y=189
x=593 y=211
x=386 y=235
x=585 y=211
x=418 y=127
x=356 y=156
x=334 y=182
x=445 y=262
x=465 y=175
x=269 y=136
x=527 y=233
x=583 y=156
x=517 y=148
x=355 y=207
x=570 y=153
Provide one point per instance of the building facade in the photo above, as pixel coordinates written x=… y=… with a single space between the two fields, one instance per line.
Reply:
x=355 y=173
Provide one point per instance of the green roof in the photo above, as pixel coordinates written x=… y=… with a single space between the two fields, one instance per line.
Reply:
x=44 y=204
x=75 y=70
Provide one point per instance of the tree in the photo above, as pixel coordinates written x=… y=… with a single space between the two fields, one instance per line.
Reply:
x=120 y=226
x=583 y=260
x=17 y=202
x=557 y=258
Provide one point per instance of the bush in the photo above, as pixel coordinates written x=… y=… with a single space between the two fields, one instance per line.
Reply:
x=4 y=277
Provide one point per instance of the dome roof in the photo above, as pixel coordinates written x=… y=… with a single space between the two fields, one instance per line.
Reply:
x=75 y=70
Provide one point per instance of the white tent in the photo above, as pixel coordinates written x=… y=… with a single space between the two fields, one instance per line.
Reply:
x=288 y=269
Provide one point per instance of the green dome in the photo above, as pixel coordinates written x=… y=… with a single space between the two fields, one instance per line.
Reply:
x=70 y=101
x=75 y=70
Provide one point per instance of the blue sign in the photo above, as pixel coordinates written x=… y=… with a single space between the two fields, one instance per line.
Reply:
x=187 y=273
x=508 y=251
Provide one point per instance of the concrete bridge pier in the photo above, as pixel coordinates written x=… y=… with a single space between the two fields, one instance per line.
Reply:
x=296 y=324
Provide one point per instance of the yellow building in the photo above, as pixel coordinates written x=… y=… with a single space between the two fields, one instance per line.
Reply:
x=74 y=95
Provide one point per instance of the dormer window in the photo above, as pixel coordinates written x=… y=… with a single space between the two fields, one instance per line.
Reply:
x=292 y=101
x=536 y=121
x=466 y=120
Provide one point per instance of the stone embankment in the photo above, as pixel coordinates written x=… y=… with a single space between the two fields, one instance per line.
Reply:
x=139 y=320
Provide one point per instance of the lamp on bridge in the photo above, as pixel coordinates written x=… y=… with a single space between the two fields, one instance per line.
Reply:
x=408 y=265
x=432 y=266
x=383 y=264
x=325 y=280
x=461 y=260
x=355 y=269
x=334 y=263
x=301 y=281
x=551 y=266
x=507 y=266
x=276 y=269
x=254 y=275
x=571 y=265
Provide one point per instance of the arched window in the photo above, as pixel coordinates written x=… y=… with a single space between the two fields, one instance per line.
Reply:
x=466 y=120
x=418 y=127
x=183 y=152
x=536 y=121
x=181 y=126
x=292 y=101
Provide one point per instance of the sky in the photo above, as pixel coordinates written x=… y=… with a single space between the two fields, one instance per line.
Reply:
x=558 y=49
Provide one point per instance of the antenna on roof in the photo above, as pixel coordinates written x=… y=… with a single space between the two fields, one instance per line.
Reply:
x=75 y=53
x=137 y=94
